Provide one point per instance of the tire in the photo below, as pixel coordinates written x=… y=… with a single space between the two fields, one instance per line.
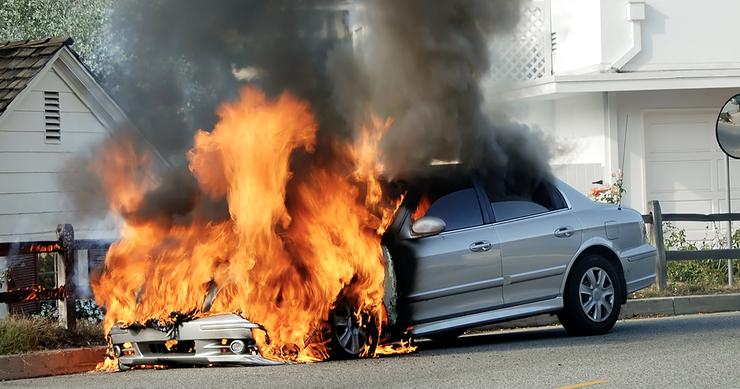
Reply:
x=592 y=298
x=348 y=338
x=123 y=367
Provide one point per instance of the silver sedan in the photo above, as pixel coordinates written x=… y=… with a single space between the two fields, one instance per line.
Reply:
x=468 y=252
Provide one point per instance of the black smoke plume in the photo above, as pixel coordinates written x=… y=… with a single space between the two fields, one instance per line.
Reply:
x=423 y=65
x=419 y=62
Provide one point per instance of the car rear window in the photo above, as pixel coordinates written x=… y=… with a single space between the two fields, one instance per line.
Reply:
x=514 y=203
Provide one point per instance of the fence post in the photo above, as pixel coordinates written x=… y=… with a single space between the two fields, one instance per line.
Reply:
x=730 y=276
x=656 y=233
x=66 y=236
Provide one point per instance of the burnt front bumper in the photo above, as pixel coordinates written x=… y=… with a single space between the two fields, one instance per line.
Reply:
x=215 y=340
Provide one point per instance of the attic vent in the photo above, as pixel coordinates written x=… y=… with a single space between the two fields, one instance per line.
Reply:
x=52 y=123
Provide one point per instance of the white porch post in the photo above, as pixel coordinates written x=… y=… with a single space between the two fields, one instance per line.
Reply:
x=81 y=272
x=61 y=280
x=3 y=287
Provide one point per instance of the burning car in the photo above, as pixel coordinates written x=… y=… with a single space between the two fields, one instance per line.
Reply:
x=220 y=339
x=459 y=253
x=473 y=252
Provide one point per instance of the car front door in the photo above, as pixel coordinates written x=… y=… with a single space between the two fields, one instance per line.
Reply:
x=459 y=270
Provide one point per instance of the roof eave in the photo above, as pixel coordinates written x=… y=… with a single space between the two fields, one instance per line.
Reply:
x=30 y=86
x=555 y=86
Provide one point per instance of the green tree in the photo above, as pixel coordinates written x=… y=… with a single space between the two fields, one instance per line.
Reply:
x=86 y=21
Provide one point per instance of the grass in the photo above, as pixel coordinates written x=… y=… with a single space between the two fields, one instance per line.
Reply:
x=698 y=276
x=686 y=289
x=23 y=334
x=687 y=278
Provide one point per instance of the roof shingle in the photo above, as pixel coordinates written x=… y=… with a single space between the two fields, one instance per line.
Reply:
x=21 y=61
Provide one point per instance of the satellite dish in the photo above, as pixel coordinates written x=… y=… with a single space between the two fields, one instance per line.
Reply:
x=728 y=127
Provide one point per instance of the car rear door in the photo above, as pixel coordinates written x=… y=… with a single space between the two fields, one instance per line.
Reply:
x=538 y=239
x=458 y=271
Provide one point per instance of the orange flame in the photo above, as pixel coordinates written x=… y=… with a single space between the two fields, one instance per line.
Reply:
x=422 y=208
x=109 y=364
x=400 y=347
x=290 y=248
x=45 y=248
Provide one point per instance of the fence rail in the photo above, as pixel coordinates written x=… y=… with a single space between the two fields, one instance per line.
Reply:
x=656 y=218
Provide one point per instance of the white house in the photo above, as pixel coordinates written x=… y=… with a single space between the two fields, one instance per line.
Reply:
x=635 y=83
x=51 y=111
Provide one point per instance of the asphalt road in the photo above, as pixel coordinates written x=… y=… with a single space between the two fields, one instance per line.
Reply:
x=676 y=352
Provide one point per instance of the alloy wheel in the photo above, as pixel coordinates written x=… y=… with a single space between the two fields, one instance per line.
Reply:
x=348 y=333
x=596 y=294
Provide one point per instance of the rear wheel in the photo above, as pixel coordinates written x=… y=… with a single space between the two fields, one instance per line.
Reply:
x=349 y=337
x=592 y=298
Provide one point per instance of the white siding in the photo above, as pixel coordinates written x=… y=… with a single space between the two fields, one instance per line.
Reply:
x=33 y=199
x=577 y=124
x=688 y=35
x=685 y=169
x=641 y=107
x=577 y=25
x=671 y=151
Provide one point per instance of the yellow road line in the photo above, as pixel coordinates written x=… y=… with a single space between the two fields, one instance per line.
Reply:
x=582 y=384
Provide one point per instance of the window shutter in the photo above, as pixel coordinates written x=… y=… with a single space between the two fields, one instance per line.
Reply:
x=52 y=117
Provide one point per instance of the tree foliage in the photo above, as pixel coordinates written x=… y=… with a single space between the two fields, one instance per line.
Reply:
x=86 y=21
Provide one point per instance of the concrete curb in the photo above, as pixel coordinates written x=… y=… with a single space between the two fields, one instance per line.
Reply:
x=659 y=306
x=46 y=363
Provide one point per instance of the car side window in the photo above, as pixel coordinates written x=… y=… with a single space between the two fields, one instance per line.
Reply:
x=508 y=210
x=523 y=202
x=459 y=209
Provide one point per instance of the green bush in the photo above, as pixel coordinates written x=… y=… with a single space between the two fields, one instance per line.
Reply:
x=85 y=310
x=698 y=275
x=16 y=336
x=23 y=334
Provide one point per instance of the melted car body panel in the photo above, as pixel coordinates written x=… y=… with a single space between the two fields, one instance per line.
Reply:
x=202 y=341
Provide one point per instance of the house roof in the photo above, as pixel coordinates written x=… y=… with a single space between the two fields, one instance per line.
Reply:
x=21 y=61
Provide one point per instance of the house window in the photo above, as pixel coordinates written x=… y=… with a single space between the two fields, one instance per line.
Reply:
x=52 y=117
x=46 y=275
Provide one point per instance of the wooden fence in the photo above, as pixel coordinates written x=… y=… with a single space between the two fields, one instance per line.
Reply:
x=66 y=246
x=656 y=218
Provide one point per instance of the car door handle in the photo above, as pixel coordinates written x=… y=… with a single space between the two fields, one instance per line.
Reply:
x=564 y=232
x=480 y=246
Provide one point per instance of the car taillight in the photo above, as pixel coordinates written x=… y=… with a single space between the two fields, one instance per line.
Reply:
x=643 y=230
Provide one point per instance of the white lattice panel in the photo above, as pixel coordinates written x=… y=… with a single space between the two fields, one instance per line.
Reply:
x=525 y=54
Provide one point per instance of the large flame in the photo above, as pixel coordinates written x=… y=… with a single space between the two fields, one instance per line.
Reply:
x=290 y=248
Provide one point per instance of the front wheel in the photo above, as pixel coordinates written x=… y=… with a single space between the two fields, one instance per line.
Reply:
x=350 y=337
x=123 y=366
x=592 y=298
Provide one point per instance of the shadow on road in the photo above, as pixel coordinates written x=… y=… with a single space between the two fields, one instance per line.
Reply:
x=626 y=331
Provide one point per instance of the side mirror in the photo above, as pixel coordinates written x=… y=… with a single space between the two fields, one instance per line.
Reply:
x=427 y=226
